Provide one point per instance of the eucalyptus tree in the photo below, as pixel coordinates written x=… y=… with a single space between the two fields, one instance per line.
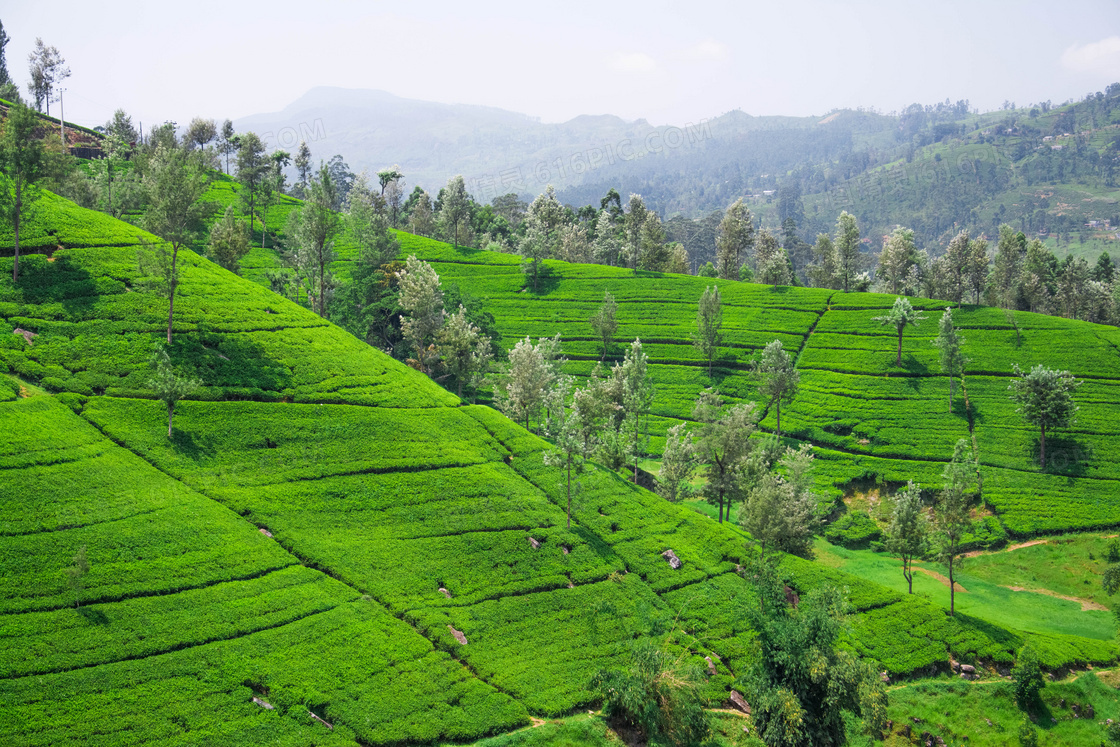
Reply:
x=464 y=351
x=709 y=323
x=825 y=271
x=909 y=531
x=252 y=166
x=21 y=163
x=678 y=463
x=736 y=237
x=637 y=394
x=898 y=259
x=772 y=261
x=847 y=249
x=227 y=141
x=169 y=385
x=456 y=206
x=723 y=447
x=605 y=322
x=952 y=514
x=422 y=302
x=948 y=344
x=314 y=228
x=531 y=373
x=778 y=378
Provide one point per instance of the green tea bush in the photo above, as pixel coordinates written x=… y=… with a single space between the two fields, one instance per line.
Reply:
x=853 y=530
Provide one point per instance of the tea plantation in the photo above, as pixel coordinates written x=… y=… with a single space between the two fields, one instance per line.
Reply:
x=334 y=550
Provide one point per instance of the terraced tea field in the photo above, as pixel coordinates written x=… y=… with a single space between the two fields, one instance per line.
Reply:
x=328 y=532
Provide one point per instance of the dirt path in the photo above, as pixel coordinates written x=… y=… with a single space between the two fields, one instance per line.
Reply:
x=956 y=586
x=1086 y=604
x=1009 y=548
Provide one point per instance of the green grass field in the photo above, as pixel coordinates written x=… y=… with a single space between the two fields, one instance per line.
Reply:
x=325 y=522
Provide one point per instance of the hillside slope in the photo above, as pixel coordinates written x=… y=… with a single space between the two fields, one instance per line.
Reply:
x=326 y=523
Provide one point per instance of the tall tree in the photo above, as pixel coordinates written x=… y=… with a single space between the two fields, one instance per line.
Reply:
x=898 y=259
x=174 y=184
x=847 y=248
x=421 y=221
x=633 y=222
x=606 y=246
x=709 y=322
x=957 y=258
x=314 y=228
x=48 y=69
x=229 y=241
x=678 y=463
x=456 y=207
x=568 y=431
x=778 y=378
x=952 y=514
x=531 y=373
x=901 y=316
x=773 y=262
x=1010 y=253
x=227 y=141
x=367 y=226
x=303 y=166
x=723 y=447
x=200 y=132
x=908 y=533
x=21 y=162
x=736 y=237
x=252 y=165
x=780 y=513
x=169 y=385
x=422 y=301
x=637 y=394
x=121 y=127
x=5 y=77
x=535 y=247
x=948 y=344
x=825 y=271
x=387 y=176
x=272 y=186
x=464 y=350
x=1045 y=399
x=605 y=322
x=977 y=268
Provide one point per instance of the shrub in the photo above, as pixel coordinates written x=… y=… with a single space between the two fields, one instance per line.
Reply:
x=853 y=530
x=1028 y=678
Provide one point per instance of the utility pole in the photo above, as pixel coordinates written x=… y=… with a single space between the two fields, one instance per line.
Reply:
x=62 y=118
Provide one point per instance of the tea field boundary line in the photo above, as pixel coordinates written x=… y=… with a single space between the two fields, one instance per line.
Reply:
x=68 y=527
x=178 y=647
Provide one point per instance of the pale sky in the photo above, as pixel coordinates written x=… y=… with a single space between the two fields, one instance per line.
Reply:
x=670 y=63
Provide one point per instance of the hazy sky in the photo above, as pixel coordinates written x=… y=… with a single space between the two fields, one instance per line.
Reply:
x=666 y=62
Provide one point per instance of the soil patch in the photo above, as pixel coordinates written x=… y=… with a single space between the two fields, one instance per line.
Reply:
x=1009 y=548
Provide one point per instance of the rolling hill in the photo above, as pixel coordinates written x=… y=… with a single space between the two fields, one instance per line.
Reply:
x=331 y=533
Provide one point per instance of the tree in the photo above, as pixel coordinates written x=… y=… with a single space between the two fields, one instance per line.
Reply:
x=464 y=350
x=908 y=533
x=227 y=141
x=1029 y=681
x=605 y=322
x=48 y=69
x=421 y=221
x=251 y=168
x=723 y=447
x=606 y=246
x=76 y=574
x=678 y=462
x=633 y=222
x=976 y=269
x=736 y=237
x=1008 y=265
x=901 y=315
x=660 y=693
x=948 y=344
x=303 y=166
x=531 y=373
x=957 y=258
x=567 y=429
x=637 y=393
x=5 y=76
x=773 y=262
x=847 y=248
x=1045 y=399
x=229 y=241
x=780 y=512
x=174 y=184
x=314 y=228
x=387 y=176
x=952 y=514
x=121 y=127
x=825 y=271
x=168 y=385
x=201 y=132
x=709 y=321
x=778 y=378
x=898 y=259
x=456 y=207
x=422 y=301
x=21 y=161
x=799 y=682
x=367 y=226
x=534 y=249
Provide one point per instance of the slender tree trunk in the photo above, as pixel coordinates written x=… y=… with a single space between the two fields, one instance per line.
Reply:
x=15 y=223
x=778 y=410
x=952 y=589
x=264 y=228
x=1043 y=444
x=635 y=448
x=908 y=572
x=170 y=417
x=322 y=281
x=171 y=293
x=569 y=491
x=898 y=360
